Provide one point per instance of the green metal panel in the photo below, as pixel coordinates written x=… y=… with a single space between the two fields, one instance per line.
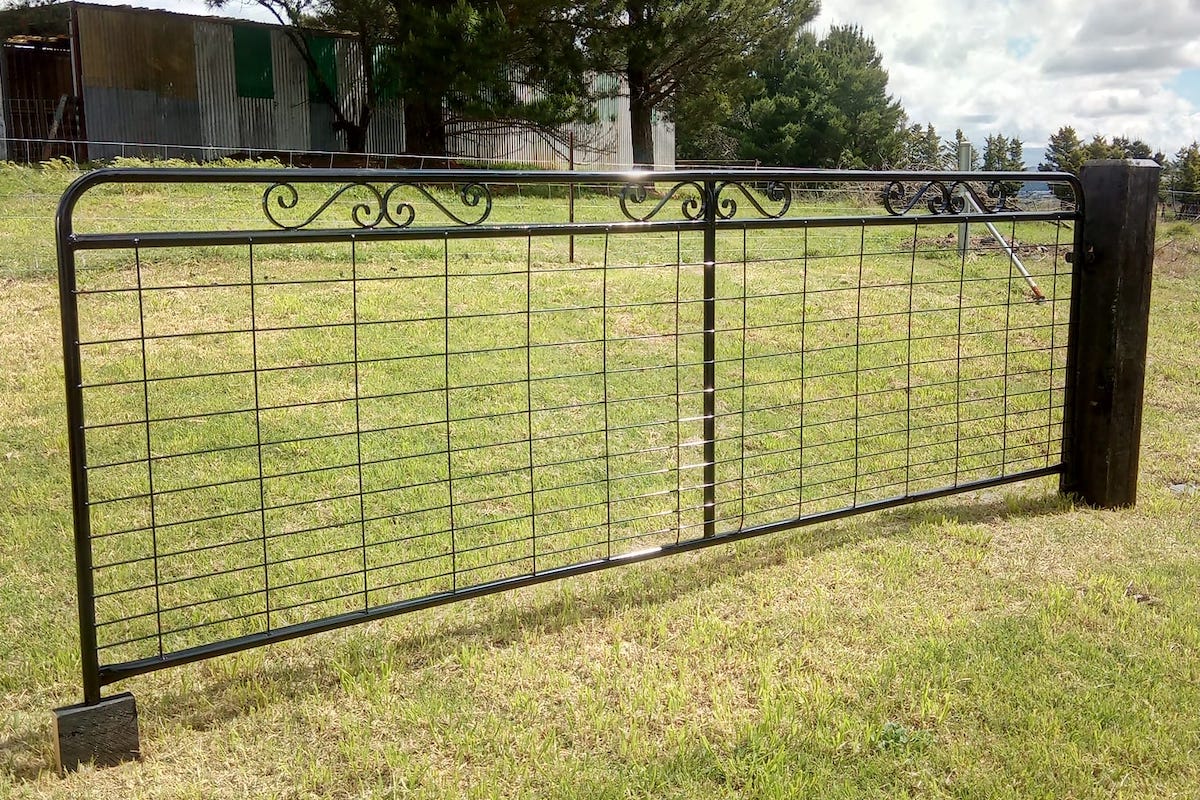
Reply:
x=387 y=79
x=252 y=61
x=323 y=52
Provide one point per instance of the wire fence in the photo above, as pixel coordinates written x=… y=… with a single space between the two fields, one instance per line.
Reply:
x=36 y=149
x=1179 y=205
x=353 y=394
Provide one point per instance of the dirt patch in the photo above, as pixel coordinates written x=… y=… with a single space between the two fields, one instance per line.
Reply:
x=985 y=243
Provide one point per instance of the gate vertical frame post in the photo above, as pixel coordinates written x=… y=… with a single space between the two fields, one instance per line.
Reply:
x=710 y=357
x=76 y=441
x=103 y=731
x=1110 y=299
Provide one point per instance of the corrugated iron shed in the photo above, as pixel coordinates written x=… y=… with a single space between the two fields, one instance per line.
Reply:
x=164 y=84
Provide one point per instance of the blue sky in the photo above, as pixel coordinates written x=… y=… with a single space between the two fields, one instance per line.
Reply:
x=1023 y=68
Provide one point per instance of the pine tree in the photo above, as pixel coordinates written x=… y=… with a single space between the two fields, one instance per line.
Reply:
x=697 y=50
x=1184 y=175
x=1064 y=152
x=951 y=147
x=823 y=103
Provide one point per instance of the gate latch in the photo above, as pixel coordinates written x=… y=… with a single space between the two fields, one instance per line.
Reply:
x=1089 y=256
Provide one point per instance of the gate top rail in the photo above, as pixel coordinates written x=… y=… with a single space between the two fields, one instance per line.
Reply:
x=384 y=203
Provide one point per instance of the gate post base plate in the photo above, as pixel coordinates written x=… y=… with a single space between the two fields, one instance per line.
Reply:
x=104 y=733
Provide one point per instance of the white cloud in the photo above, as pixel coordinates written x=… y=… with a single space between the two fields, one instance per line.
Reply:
x=1027 y=67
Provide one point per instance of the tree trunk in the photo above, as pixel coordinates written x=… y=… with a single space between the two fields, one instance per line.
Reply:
x=356 y=132
x=356 y=139
x=637 y=72
x=641 y=119
x=424 y=128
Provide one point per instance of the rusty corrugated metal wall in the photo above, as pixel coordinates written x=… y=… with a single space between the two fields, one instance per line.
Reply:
x=219 y=125
x=166 y=79
x=139 y=78
x=292 y=130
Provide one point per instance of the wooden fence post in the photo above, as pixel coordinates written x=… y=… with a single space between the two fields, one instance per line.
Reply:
x=1106 y=369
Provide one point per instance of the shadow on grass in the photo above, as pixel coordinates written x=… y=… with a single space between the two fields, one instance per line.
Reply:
x=232 y=692
x=25 y=754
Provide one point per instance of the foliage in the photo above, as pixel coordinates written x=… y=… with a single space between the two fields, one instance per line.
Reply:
x=823 y=104
x=1120 y=147
x=922 y=148
x=951 y=147
x=455 y=63
x=1066 y=152
x=702 y=129
x=36 y=17
x=1001 y=154
x=688 y=58
x=1184 y=175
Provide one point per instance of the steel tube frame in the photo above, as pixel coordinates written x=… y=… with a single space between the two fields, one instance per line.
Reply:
x=710 y=223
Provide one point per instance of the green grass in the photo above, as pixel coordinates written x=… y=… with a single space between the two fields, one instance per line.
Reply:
x=980 y=646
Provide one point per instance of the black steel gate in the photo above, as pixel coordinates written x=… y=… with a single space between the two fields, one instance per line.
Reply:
x=300 y=399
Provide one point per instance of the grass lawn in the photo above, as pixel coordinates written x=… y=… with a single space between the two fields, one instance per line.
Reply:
x=998 y=644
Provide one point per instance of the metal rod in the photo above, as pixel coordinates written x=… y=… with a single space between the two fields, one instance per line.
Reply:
x=1012 y=253
x=571 y=195
x=77 y=446
x=710 y=357
x=964 y=165
x=149 y=239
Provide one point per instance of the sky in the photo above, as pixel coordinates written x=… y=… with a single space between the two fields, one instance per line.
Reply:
x=1025 y=68
x=1022 y=68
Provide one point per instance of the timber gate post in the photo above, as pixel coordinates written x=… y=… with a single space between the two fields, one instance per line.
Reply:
x=1111 y=314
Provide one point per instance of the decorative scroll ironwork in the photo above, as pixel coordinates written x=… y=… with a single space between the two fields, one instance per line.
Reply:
x=775 y=191
x=942 y=199
x=692 y=207
x=379 y=207
x=695 y=207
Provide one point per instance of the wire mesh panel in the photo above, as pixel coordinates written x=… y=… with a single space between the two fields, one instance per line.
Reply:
x=339 y=396
x=867 y=364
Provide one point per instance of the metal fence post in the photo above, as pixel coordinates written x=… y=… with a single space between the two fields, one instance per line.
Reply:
x=1110 y=299
x=964 y=165
x=571 y=195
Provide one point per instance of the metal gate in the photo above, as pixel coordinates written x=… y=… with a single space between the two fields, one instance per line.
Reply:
x=301 y=399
